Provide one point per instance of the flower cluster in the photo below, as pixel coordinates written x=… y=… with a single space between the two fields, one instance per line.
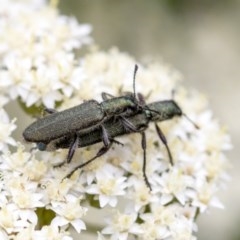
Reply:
x=37 y=52
x=37 y=202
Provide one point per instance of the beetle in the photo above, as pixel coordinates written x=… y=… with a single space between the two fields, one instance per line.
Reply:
x=153 y=112
x=85 y=115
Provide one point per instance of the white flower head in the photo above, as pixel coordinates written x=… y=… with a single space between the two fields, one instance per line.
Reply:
x=39 y=66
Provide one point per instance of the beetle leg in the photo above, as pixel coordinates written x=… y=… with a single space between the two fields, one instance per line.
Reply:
x=164 y=141
x=105 y=137
x=71 y=151
x=144 y=147
x=128 y=126
x=106 y=140
x=101 y=152
x=72 y=148
x=141 y=99
x=117 y=142
x=106 y=96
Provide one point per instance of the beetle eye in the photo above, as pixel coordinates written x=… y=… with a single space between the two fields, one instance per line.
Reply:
x=41 y=146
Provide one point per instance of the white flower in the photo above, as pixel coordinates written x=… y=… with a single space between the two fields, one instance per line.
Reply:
x=8 y=216
x=152 y=231
x=56 y=190
x=69 y=212
x=51 y=232
x=182 y=229
x=24 y=193
x=108 y=186
x=46 y=232
x=13 y=220
x=141 y=194
x=6 y=129
x=174 y=184
x=120 y=225
x=160 y=214
x=204 y=196
x=16 y=160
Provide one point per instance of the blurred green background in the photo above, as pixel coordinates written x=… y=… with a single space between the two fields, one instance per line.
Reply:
x=201 y=38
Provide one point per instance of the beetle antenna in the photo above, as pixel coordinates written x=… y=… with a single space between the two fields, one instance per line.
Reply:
x=134 y=80
x=191 y=121
x=184 y=114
